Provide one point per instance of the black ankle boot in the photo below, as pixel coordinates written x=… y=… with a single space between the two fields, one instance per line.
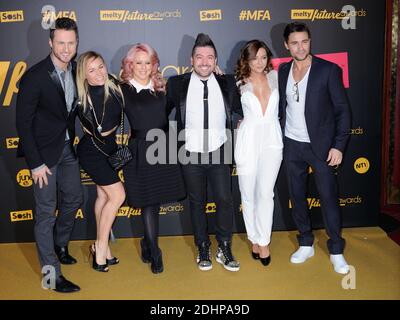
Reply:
x=145 y=254
x=156 y=262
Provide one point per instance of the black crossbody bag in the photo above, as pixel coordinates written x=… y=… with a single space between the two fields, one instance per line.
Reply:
x=122 y=155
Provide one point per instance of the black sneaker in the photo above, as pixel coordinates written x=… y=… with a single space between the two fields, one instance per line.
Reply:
x=204 y=257
x=225 y=257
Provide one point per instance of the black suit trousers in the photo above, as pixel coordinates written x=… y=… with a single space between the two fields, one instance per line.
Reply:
x=218 y=176
x=64 y=191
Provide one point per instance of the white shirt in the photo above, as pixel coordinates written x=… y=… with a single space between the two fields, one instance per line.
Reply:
x=195 y=115
x=139 y=87
x=295 y=126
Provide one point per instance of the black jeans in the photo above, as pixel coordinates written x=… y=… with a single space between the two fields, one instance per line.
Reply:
x=219 y=177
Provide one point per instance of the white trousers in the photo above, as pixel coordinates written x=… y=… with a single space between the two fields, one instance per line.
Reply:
x=257 y=193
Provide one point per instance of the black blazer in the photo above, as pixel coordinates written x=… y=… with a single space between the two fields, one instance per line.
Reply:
x=41 y=116
x=177 y=89
x=327 y=110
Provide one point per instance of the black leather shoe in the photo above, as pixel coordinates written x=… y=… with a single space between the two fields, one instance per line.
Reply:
x=265 y=261
x=146 y=254
x=255 y=255
x=65 y=286
x=157 y=263
x=64 y=256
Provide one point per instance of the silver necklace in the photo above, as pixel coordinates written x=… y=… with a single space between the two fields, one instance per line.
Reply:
x=99 y=127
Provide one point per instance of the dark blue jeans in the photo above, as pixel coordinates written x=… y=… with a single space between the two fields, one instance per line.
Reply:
x=297 y=157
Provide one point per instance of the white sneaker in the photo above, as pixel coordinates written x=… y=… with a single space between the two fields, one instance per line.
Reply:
x=302 y=254
x=339 y=263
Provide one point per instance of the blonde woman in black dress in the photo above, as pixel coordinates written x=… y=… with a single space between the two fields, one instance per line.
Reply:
x=147 y=185
x=99 y=110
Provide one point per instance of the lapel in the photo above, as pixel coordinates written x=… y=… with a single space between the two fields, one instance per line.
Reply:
x=283 y=77
x=225 y=94
x=73 y=63
x=312 y=82
x=183 y=95
x=56 y=81
x=76 y=100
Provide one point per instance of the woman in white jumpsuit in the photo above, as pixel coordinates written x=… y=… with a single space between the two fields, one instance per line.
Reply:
x=258 y=150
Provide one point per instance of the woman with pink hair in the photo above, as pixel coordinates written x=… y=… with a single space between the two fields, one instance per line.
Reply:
x=150 y=179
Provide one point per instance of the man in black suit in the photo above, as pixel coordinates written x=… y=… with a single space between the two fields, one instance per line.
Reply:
x=315 y=117
x=204 y=104
x=45 y=125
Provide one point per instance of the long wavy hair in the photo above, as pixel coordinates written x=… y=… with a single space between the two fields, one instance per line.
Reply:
x=155 y=76
x=82 y=83
x=247 y=53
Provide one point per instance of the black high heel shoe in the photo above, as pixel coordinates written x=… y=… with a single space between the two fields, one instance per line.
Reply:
x=112 y=261
x=157 y=263
x=266 y=261
x=255 y=255
x=95 y=265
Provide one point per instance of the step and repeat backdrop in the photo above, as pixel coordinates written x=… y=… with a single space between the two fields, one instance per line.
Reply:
x=349 y=33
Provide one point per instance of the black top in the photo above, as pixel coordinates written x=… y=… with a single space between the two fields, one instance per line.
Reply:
x=146 y=109
x=112 y=108
x=148 y=183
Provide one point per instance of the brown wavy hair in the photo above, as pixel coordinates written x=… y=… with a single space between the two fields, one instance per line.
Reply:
x=247 y=53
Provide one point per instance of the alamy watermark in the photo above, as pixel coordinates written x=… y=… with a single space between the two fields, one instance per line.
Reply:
x=171 y=149
x=49 y=277
x=349 y=19
x=349 y=280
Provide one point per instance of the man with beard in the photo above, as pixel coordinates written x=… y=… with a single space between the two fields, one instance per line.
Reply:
x=204 y=104
x=315 y=117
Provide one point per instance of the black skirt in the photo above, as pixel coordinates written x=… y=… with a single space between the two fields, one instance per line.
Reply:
x=95 y=163
x=151 y=184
